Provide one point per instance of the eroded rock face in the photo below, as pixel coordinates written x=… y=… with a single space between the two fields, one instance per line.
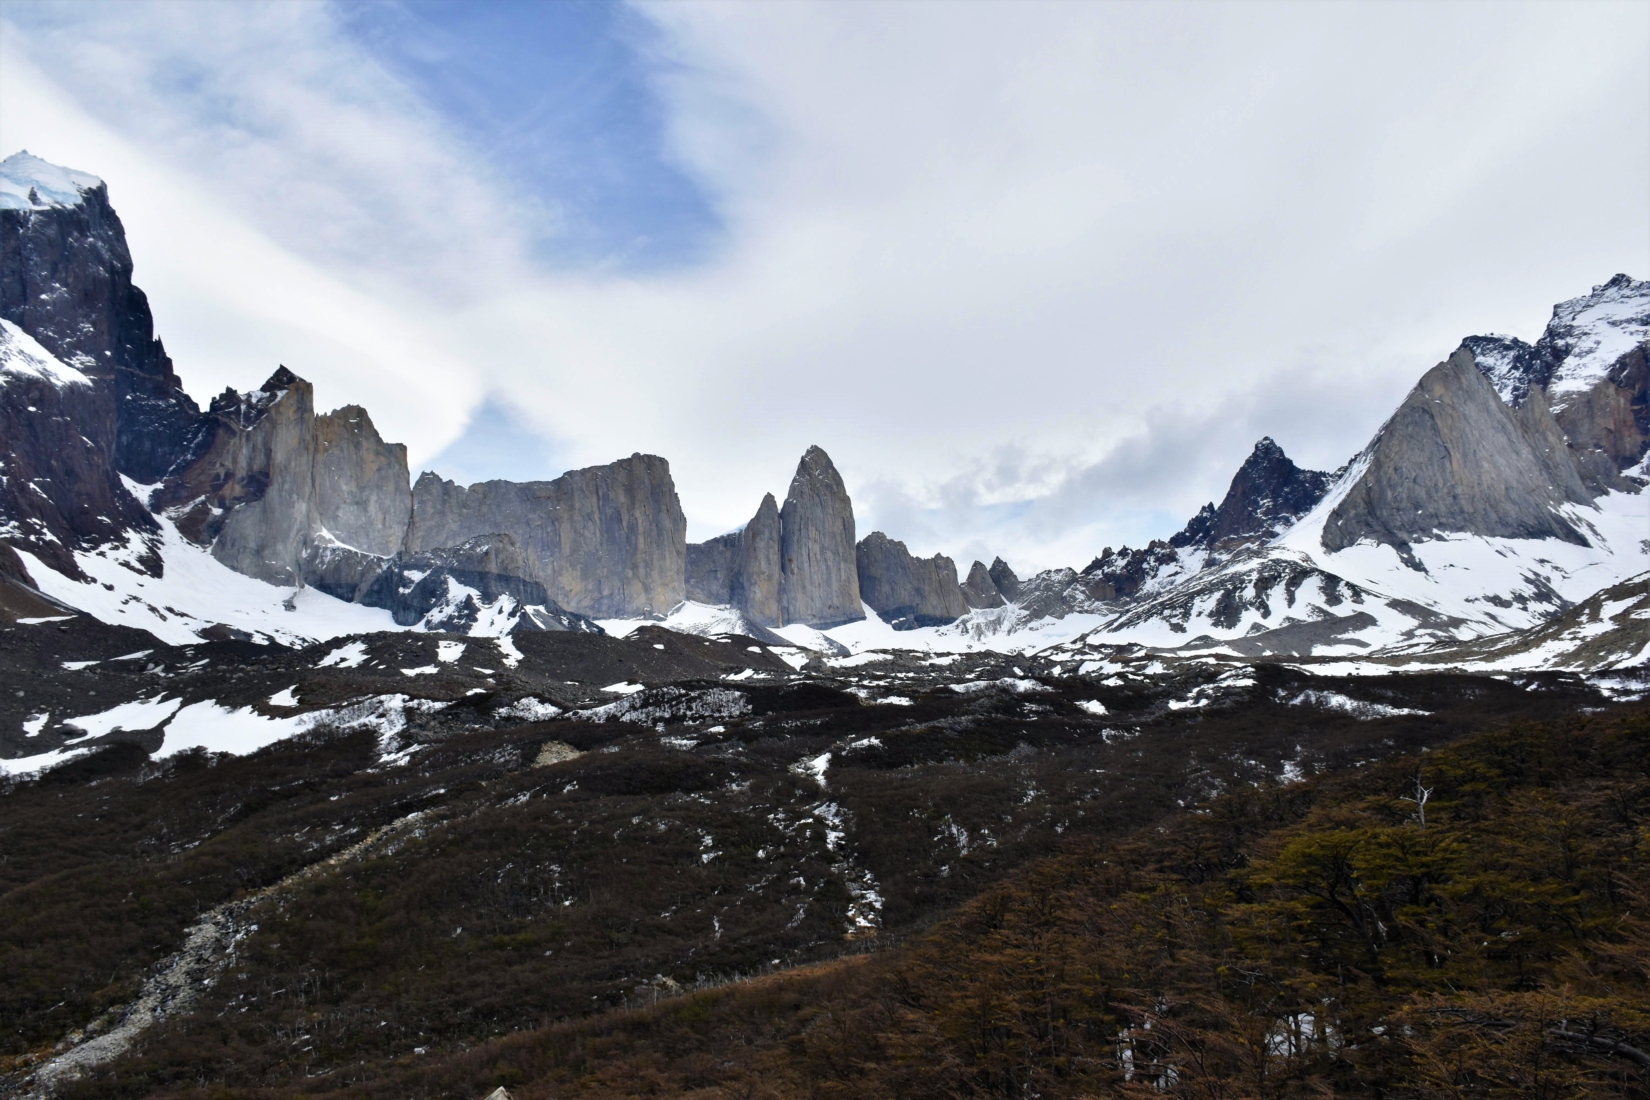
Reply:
x=741 y=568
x=66 y=280
x=1005 y=580
x=1590 y=367
x=363 y=496
x=452 y=588
x=606 y=541
x=819 y=581
x=1267 y=495
x=1455 y=458
x=979 y=590
x=907 y=592
x=244 y=487
x=58 y=488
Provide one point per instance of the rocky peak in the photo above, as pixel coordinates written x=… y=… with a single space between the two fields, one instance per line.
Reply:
x=979 y=590
x=1267 y=495
x=1455 y=458
x=1004 y=579
x=819 y=575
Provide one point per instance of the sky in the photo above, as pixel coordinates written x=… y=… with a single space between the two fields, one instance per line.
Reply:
x=1037 y=276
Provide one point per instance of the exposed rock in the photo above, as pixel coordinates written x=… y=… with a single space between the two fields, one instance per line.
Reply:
x=907 y=592
x=1455 y=458
x=1590 y=364
x=363 y=496
x=67 y=282
x=1123 y=574
x=342 y=572
x=979 y=590
x=607 y=541
x=741 y=568
x=58 y=488
x=1005 y=580
x=19 y=598
x=1267 y=495
x=451 y=589
x=245 y=486
x=819 y=582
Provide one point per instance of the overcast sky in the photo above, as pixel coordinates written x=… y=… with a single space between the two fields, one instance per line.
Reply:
x=1036 y=276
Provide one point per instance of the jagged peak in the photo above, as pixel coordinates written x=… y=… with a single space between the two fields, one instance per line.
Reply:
x=29 y=183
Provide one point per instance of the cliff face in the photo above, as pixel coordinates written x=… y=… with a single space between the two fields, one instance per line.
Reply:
x=363 y=496
x=454 y=588
x=741 y=569
x=607 y=541
x=58 y=488
x=66 y=280
x=1456 y=458
x=245 y=487
x=907 y=592
x=819 y=582
x=1003 y=577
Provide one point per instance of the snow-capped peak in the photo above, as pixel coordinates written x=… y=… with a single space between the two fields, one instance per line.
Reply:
x=29 y=183
x=1589 y=333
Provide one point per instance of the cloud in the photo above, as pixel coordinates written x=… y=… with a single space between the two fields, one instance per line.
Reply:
x=1036 y=276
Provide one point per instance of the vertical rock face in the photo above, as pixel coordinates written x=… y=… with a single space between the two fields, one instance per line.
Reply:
x=1267 y=495
x=979 y=590
x=363 y=496
x=607 y=541
x=66 y=280
x=907 y=592
x=1005 y=580
x=741 y=568
x=58 y=488
x=245 y=486
x=1455 y=458
x=819 y=582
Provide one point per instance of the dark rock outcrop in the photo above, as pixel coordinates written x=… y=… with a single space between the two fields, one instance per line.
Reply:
x=1122 y=574
x=1455 y=458
x=979 y=590
x=66 y=280
x=1267 y=495
x=907 y=592
x=741 y=568
x=59 y=491
x=606 y=541
x=819 y=580
x=452 y=588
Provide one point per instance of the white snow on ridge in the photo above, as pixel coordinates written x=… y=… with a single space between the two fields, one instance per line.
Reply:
x=197 y=591
x=1596 y=330
x=52 y=184
x=22 y=355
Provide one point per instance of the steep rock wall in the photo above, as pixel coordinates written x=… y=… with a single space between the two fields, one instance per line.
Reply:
x=819 y=580
x=907 y=592
x=1455 y=458
x=363 y=495
x=606 y=541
